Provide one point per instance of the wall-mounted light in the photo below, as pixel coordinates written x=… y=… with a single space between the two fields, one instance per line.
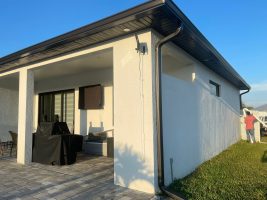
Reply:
x=126 y=30
x=25 y=54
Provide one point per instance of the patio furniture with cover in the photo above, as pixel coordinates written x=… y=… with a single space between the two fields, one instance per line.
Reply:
x=54 y=144
x=14 y=137
x=1 y=148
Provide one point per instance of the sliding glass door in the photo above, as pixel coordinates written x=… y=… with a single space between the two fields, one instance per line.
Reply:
x=57 y=106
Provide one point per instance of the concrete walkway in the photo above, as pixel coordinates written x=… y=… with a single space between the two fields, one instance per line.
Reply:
x=88 y=178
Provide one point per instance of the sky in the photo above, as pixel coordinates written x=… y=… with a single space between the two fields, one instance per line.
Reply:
x=237 y=29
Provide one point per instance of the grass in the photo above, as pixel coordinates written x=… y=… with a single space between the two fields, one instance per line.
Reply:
x=264 y=139
x=240 y=172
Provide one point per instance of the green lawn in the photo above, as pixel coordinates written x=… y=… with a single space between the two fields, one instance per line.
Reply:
x=240 y=172
x=264 y=139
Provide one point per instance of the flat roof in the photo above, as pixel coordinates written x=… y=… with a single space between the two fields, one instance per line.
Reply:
x=162 y=15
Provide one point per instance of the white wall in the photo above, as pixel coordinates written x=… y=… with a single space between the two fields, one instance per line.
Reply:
x=103 y=76
x=134 y=162
x=8 y=113
x=197 y=125
x=101 y=119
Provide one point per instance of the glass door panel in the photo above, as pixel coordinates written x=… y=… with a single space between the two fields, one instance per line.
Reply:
x=57 y=106
x=69 y=110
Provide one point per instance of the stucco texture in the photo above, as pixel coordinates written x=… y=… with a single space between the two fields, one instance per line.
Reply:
x=9 y=113
x=197 y=125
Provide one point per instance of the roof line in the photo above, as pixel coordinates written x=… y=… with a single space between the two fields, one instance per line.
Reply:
x=82 y=30
x=203 y=39
x=209 y=55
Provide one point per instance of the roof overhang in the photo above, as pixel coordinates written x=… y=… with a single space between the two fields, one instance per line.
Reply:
x=162 y=15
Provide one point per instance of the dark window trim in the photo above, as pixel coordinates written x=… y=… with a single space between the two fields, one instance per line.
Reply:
x=53 y=93
x=218 y=88
x=82 y=100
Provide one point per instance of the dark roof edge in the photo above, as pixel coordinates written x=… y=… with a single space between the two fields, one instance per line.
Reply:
x=173 y=8
x=129 y=13
x=82 y=30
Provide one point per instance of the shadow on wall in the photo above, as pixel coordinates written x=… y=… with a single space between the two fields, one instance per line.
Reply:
x=264 y=157
x=197 y=126
x=131 y=170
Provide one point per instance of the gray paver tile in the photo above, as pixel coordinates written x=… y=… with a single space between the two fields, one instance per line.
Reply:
x=89 y=178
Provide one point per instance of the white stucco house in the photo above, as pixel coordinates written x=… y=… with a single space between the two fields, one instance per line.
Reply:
x=170 y=106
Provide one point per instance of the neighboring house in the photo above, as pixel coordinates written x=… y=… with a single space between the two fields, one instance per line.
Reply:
x=200 y=92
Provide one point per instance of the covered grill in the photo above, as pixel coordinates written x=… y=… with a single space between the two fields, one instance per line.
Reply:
x=54 y=144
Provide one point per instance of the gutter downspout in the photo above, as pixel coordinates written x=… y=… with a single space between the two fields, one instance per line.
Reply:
x=241 y=107
x=159 y=125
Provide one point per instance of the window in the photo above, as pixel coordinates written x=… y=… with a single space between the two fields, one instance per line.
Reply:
x=57 y=106
x=91 y=97
x=215 y=88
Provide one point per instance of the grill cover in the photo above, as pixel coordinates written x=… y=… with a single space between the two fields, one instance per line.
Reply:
x=53 y=144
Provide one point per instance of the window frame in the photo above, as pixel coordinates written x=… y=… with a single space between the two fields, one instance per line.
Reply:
x=217 y=87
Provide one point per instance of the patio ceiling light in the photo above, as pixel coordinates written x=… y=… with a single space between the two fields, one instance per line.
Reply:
x=25 y=54
x=126 y=30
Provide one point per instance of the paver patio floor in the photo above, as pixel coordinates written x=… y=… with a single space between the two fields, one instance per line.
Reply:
x=88 y=178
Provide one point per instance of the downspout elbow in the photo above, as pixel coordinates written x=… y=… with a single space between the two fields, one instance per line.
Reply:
x=240 y=97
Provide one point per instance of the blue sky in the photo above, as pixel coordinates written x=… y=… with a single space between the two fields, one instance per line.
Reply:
x=237 y=29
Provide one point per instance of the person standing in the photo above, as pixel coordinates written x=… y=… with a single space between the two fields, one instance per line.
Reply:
x=249 y=121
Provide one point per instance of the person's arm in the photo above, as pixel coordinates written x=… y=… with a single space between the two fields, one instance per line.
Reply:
x=254 y=118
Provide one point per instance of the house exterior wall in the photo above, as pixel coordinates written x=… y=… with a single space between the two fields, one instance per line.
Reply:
x=134 y=162
x=9 y=112
x=134 y=123
x=102 y=119
x=197 y=125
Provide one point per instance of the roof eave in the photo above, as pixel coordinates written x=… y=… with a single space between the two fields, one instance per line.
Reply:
x=175 y=10
x=144 y=9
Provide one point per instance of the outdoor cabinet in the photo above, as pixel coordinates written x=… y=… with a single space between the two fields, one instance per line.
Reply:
x=91 y=97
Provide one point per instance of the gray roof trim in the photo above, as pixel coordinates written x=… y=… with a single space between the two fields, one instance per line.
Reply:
x=162 y=15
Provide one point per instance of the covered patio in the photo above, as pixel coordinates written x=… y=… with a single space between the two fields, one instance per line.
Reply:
x=126 y=113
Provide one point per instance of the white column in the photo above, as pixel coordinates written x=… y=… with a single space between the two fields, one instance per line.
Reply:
x=257 y=128
x=35 y=112
x=80 y=118
x=25 y=118
x=134 y=135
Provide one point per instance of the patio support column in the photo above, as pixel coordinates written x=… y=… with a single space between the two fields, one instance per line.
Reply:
x=134 y=122
x=80 y=122
x=25 y=118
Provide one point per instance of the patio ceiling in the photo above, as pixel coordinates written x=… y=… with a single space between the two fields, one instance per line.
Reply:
x=162 y=15
x=82 y=64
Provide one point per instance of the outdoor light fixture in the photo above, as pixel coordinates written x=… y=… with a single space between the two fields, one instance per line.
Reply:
x=25 y=54
x=126 y=30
